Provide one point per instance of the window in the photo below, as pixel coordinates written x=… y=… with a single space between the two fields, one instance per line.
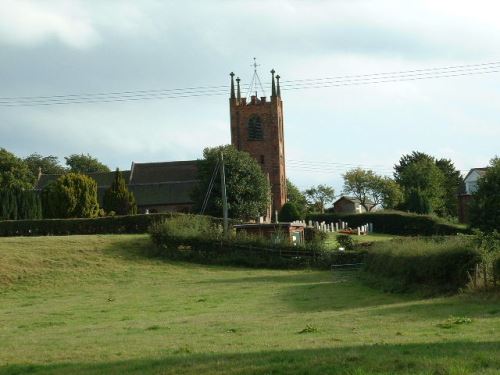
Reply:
x=255 y=132
x=261 y=159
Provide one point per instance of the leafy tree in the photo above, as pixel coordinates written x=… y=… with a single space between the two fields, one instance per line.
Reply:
x=371 y=189
x=295 y=196
x=485 y=205
x=72 y=195
x=14 y=172
x=47 y=164
x=81 y=163
x=423 y=187
x=406 y=160
x=453 y=185
x=118 y=199
x=289 y=212
x=320 y=196
x=247 y=188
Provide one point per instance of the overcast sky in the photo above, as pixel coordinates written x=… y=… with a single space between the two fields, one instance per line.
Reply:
x=71 y=47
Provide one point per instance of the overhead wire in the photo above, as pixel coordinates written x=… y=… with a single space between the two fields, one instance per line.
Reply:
x=298 y=84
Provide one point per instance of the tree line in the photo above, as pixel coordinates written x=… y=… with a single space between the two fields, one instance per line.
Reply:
x=72 y=195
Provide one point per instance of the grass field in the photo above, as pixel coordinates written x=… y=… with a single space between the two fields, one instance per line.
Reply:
x=98 y=305
x=331 y=240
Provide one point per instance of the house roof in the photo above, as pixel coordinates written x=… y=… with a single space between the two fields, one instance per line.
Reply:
x=480 y=172
x=146 y=173
x=353 y=200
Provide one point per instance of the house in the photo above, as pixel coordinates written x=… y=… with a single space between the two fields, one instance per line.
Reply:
x=464 y=199
x=350 y=205
x=157 y=187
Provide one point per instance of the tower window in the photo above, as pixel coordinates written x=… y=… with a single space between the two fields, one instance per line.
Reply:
x=261 y=159
x=255 y=132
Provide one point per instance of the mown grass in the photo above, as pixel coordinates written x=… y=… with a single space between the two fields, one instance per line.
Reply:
x=98 y=305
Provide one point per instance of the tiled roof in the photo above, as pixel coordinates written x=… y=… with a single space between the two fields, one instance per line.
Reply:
x=163 y=193
x=145 y=173
x=480 y=172
x=352 y=199
x=152 y=183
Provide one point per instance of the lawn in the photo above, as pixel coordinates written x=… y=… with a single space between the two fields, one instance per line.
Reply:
x=99 y=305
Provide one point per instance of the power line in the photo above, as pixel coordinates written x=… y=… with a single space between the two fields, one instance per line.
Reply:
x=310 y=83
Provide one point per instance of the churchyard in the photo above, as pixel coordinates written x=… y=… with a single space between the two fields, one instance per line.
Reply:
x=101 y=304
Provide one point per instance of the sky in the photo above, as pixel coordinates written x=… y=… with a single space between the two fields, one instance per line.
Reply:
x=60 y=47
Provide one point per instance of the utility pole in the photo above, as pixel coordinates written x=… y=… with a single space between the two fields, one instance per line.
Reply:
x=224 y=196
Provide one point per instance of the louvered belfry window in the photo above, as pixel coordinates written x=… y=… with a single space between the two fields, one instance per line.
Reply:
x=255 y=132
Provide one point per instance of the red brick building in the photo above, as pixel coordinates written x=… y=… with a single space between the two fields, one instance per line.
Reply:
x=257 y=128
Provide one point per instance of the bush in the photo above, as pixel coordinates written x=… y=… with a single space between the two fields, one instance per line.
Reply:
x=443 y=264
x=101 y=225
x=118 y=199
x=345 y=241
x=394 y=222
x=71 y=196
x=289 y=212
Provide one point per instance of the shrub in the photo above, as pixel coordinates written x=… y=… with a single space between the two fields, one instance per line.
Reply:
x=345 y=241
x=289 y=212
x=444 y=264
x=71 y=196
x=394 y=222
x=118 y=199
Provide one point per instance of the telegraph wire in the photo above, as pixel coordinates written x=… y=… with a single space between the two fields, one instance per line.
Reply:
x=348 y=80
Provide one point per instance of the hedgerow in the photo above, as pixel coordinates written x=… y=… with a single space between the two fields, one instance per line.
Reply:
x=394 y=222
x=100 y=225
x=442 y=263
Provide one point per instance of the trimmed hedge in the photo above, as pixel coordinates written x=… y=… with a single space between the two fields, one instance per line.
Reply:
x=101 y=225
x=443 y=264
x=394 y=222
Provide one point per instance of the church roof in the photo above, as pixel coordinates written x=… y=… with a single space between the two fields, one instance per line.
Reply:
x=163 y=183
x=174 y=171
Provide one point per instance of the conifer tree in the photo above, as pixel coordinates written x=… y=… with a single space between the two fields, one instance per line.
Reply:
x=118 y=199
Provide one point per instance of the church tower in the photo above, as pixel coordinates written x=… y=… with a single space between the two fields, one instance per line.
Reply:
x=257 y=128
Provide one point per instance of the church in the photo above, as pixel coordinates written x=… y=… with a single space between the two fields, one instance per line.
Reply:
x=256 y=125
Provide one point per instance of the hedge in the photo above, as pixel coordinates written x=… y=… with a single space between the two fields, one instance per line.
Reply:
x=203 y=242
x=101 y=225
x=393 y=222
x=443 y=264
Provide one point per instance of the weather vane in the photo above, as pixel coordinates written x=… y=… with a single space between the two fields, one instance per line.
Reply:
x=255 y=83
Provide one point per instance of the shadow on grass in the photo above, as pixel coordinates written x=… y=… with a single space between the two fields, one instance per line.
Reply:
x=437 y=358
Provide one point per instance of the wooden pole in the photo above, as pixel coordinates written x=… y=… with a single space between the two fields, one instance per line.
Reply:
x=224 y=195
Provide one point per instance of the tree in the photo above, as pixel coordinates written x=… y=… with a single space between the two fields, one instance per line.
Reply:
x=485 y=205
x=423 y=187
x=14 y=172
x=72 y=195
x=453 y=185
x=289 y=212
x=320 y=196
x=81 y=163
x=295 y=196
x=422 y=183
x=371 y=189
x=118 y=199
x=247 y=188
x=47 y=164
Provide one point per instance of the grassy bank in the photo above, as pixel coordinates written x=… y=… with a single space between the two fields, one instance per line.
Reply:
x=97 y=305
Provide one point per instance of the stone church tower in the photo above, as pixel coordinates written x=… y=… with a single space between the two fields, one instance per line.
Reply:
x=257 y=128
